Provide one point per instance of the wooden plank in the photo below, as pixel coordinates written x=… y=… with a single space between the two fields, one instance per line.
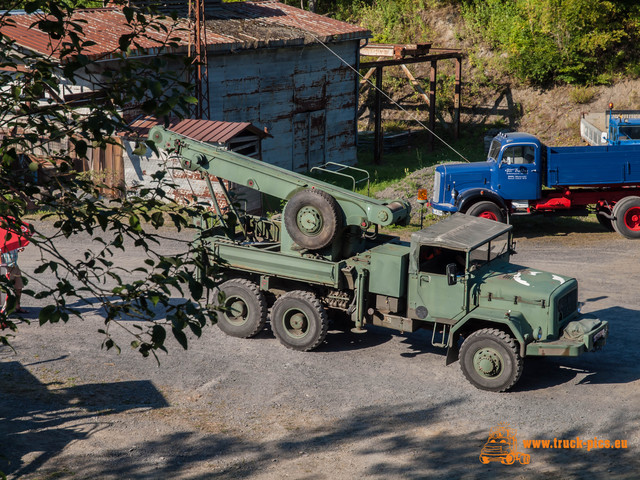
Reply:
x=415 y=84
x=410 y=60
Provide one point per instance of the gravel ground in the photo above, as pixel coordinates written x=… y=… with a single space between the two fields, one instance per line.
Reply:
x=376 y=405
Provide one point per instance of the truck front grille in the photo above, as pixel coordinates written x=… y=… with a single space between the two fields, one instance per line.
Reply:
x=567 y=304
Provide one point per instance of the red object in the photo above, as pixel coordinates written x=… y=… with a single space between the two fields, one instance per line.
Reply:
x=9 y=239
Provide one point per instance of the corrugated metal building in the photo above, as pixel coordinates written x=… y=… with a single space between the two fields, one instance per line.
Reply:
x=267 y=67
x=138 y=170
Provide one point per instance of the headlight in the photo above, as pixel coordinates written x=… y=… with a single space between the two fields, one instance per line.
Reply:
x=454 y=194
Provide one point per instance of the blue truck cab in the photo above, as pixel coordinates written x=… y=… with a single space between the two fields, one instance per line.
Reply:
x=512 y=172
x=523 y=176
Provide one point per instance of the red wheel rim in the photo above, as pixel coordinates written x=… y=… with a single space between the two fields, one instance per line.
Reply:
x=632 y=219
x=489 y=215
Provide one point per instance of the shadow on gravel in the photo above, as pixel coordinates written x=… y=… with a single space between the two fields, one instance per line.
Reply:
x=400 y=441
x=541 y=226
x=343 y=339
x=93 y=305
x=66 y=413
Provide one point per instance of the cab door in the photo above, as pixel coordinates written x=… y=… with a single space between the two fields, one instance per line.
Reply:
x=430 y=294
x=518 y=173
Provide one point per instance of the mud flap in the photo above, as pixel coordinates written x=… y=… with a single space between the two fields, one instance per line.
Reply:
x=453 y=353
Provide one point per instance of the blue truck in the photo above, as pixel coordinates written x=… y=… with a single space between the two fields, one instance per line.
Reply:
x=615 y=127
x=523 y=176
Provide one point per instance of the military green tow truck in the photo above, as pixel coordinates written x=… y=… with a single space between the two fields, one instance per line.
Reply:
x=326 y=257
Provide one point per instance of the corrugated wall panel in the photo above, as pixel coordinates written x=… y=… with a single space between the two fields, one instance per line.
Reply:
x=268 y=87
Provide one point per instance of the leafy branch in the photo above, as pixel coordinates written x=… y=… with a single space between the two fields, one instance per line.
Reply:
x=38 y=123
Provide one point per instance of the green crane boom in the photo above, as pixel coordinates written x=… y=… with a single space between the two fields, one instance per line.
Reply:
x=358 y=209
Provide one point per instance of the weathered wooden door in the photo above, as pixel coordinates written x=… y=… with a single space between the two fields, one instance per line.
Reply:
x=309 y=140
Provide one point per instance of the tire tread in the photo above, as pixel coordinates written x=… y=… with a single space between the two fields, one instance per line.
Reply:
x=509 y=342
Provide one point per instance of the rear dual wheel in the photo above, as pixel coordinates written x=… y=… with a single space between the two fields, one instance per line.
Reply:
x=299 y=321
x=244 y=312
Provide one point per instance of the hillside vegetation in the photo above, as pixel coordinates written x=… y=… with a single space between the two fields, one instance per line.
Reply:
x=538 y=42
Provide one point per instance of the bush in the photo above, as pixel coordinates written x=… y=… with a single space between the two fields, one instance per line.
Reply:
x=581 y=95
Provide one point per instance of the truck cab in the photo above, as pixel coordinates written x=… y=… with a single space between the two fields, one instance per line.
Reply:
x=512 y=173
x=462 y=285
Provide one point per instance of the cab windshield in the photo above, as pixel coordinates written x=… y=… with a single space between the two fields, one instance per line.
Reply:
x=494 y=150
x=489 y=251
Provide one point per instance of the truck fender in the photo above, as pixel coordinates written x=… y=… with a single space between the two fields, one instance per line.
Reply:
x=468 y=197
x=509 y=324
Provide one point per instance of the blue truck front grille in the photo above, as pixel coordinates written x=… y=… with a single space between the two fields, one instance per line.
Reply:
x=436 y=187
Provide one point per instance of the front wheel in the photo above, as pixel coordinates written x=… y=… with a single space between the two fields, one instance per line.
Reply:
x=627 y=217
x=487 y=210
x=490 y=360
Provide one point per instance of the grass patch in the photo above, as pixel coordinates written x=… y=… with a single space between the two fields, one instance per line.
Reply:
x=398 y=164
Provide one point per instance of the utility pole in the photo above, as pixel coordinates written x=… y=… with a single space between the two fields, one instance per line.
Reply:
x=198 y=51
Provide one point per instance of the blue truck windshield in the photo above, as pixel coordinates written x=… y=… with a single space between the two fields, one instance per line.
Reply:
x=494 y=150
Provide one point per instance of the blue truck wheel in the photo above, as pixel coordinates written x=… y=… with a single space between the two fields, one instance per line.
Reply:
x=627 y=217
x=487 y=210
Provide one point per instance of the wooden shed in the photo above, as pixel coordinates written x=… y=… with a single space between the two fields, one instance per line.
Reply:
x=288 y=70
x=274 y=66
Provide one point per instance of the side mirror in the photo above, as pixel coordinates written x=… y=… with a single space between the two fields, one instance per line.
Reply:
x=452 y=274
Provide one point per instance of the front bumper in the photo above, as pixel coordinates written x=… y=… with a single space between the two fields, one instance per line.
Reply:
x=440 y=208
x=592 y=340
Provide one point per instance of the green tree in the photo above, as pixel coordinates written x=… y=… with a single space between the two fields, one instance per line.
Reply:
x=35 y=120
x=546 y=41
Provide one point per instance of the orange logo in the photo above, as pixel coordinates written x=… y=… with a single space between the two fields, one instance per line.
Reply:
x=502 y=446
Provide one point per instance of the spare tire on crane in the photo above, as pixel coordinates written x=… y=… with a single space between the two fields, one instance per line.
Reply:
x=312 y=218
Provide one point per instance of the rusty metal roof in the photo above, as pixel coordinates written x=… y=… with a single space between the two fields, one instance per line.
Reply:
x=262 y=22
x=234 y=26
x=104 y=26
x=202 y=130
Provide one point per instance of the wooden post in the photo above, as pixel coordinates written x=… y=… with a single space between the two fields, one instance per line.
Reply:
x=456 y=100
x=378 y=142
x=432 y=102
